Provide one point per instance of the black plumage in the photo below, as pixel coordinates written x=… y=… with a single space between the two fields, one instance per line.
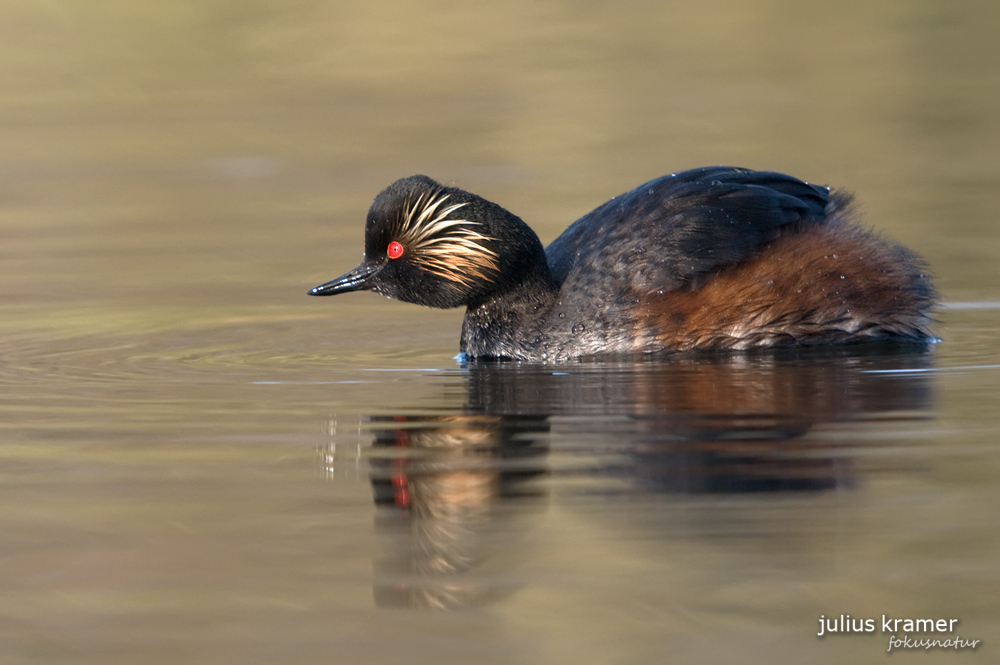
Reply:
x=710 y=258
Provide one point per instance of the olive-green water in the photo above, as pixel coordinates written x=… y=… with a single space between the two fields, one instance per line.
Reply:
x=200 y=464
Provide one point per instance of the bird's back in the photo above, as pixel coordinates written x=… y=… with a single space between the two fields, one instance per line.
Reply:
x=666 y=233
x=722 y=257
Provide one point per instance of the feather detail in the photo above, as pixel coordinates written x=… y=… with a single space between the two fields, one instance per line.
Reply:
x=445 y=246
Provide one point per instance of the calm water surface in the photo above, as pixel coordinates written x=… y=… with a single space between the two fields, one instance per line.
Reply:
x=200 y=464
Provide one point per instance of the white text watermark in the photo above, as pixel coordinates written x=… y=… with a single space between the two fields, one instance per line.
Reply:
x=904 y=633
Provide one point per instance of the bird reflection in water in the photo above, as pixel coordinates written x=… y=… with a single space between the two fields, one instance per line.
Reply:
x=733 y=424
x=444 y=481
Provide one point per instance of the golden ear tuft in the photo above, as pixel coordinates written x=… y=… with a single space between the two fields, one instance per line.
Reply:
x=443 y=246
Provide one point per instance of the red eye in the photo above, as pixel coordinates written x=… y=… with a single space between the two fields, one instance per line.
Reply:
x=395 y=250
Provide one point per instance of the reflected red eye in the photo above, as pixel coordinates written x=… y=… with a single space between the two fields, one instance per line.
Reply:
x=395 y=250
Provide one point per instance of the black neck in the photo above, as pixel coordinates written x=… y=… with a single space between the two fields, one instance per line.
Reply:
x=508 y=323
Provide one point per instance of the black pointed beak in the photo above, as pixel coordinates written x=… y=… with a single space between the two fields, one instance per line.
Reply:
x=356 y=280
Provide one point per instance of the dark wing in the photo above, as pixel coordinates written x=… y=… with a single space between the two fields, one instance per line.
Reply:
x=666 y=233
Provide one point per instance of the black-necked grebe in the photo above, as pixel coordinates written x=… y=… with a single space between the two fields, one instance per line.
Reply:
x=712 y=258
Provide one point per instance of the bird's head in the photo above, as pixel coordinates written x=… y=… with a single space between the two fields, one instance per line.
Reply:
x=437 y=246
